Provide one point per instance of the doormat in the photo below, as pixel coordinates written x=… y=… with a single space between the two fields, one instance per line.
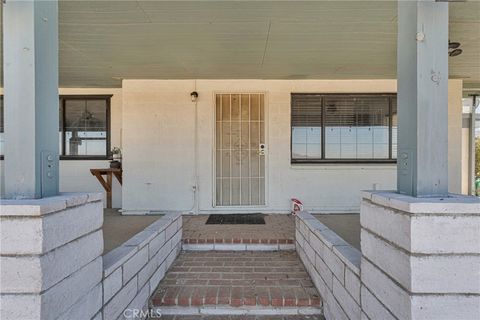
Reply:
x=256 y=218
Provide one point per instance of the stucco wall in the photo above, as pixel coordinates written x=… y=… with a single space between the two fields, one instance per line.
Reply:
x=75 y=174
x=455 y=108
x=158 y=145
x=158 y=142
x=465 y=159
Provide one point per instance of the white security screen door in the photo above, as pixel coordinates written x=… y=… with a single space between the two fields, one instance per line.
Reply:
x=240 y=149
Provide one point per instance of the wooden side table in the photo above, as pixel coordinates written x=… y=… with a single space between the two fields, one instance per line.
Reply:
x=107 y=184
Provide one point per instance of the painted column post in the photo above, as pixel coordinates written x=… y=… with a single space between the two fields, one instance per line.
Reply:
x=421 y=246
x=30 y=46
x=422 y=72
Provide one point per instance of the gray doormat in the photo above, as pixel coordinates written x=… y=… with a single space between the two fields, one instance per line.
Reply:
x=256 y=218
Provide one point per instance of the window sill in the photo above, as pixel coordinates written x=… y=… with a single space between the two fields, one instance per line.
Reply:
x=99 y=158
x=339 y=162
x=320 y=166
x=85 y=158
x=331 y=165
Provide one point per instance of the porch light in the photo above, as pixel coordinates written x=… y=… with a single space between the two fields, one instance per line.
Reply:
x=194 y=96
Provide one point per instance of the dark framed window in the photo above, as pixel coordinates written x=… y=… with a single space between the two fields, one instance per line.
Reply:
x=2 y=130
x=343 y=128
x=84 y=127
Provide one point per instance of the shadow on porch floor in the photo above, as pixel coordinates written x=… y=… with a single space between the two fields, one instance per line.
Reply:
x=347 y=226
x=117 y=228
x=278 y=228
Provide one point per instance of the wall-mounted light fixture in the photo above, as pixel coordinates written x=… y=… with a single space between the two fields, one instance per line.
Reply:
x=194 y=96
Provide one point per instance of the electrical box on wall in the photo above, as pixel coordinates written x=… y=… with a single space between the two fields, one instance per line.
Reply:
x=49 y=171
x=405 y=162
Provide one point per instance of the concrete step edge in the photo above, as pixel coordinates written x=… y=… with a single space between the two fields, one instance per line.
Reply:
x=229 y=310
x=237 y=247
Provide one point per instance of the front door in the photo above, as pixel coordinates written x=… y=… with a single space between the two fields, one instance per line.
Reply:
x=240 y=149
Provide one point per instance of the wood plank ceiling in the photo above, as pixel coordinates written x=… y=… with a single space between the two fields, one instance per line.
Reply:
x=102 y=42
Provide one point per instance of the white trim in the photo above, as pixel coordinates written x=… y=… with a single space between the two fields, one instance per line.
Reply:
x=337 y=166
x=245 y=310
x=238 y=247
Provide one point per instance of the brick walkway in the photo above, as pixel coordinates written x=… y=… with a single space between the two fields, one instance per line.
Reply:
x=278 y=229
x=237 y=279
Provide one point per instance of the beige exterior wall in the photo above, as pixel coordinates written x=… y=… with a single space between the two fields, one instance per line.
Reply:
x=455 y=109
x=465 y=159
x=157 y=138
x=158 y=142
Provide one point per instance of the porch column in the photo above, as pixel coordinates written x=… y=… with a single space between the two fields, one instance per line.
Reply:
x=422 y=72
x=30 y=46
x=421 y=246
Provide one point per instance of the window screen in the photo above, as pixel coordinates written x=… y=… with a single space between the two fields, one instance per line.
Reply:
x=85 y=127
x=2 y=134
x=343 y=127
x=394 y=129
x=356 y=128
x=307 y=127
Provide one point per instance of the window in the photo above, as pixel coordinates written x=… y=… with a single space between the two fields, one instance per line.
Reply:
x=2 y=134
x=343 y=128
x=85 y=127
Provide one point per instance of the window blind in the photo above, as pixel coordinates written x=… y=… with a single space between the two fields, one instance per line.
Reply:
x=307 y=110
x=343 y=127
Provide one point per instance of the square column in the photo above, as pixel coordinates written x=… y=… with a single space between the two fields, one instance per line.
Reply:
x=422 y=72
x=30 y=47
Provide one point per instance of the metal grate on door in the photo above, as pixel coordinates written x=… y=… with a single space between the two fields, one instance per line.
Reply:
x=240 y=160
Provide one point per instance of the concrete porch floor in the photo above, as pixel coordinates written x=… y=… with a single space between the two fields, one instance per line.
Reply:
x=117 y=228
x=278 y=229
x=347 y=226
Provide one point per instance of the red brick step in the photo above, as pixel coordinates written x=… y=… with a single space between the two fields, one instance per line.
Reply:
x=245 y=279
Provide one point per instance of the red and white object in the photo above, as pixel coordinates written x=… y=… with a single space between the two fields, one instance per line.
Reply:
x=297 y=206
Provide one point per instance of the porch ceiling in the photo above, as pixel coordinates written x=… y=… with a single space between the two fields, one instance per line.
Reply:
x=102 y=42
